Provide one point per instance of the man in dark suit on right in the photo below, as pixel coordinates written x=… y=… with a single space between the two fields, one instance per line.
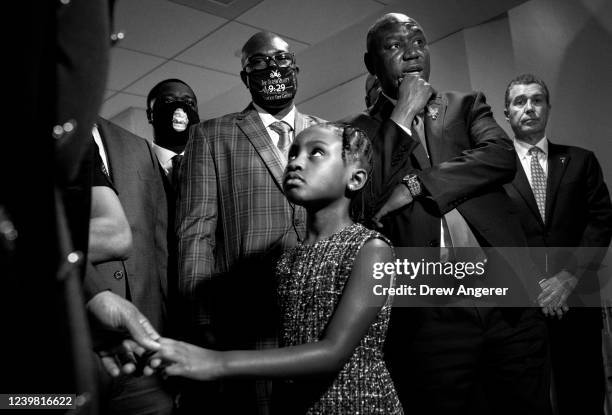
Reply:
x=565 y=211
x=440 y=161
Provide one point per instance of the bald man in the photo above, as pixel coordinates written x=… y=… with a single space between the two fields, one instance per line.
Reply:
x=440 y=160
x=233 y=219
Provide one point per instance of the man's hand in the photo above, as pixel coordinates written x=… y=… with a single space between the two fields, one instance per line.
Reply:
x=116 y=313
x=412 y=96
x=550 y=311
x=555 y=291
x=399 y=198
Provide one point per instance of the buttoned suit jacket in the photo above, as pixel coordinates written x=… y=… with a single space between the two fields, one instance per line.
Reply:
x=135 y=173
x=470 y=158
x=233 y=221
x=578 y=217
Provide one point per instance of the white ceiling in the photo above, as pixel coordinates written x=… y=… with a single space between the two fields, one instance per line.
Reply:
x=164 y=39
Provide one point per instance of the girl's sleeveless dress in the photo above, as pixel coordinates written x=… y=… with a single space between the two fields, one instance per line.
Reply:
x=311 y=279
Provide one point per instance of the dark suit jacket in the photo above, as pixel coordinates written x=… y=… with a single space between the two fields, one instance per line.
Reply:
x=136 y=176
x=233 y=220
x=471 y=159
x=578 y=216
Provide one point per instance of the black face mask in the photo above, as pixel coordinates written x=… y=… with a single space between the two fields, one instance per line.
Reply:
x=273 y=87
x=171 y=122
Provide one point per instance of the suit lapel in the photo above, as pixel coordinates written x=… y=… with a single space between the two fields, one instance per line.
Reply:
x=557 y=164
x=521 y=184
x=252 y=127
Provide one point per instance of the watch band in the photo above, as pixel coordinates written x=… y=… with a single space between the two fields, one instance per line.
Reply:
x=414 y=184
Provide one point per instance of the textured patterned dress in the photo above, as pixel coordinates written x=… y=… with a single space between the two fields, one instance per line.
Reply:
x=311 y=279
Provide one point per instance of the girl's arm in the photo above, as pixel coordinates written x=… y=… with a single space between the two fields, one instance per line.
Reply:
x=357 y=309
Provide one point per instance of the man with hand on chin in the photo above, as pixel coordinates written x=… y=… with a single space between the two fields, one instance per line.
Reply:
x=440 y=161
x=233 y=220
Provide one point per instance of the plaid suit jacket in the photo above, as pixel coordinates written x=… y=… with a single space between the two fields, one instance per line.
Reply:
x=233 y=221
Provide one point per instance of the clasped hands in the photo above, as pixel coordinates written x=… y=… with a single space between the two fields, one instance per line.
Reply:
x=145 y=352
x=555 y=291
x=117 y=316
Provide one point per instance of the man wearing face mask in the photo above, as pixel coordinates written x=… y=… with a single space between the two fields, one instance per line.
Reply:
x=172 y=108
x=233 y=219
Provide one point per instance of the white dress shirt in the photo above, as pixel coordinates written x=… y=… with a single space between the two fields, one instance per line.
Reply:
x=165 y=158
x=101 y=150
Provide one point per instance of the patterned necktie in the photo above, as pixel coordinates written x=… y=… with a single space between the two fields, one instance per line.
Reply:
x=176 y=167
x=538 y=181
x=419 y=127
x=284 y=137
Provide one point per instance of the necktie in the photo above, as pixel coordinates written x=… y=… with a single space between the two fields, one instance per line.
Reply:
x=284 y=137
x=419 y=129
x=176 y=167
x=538 y=181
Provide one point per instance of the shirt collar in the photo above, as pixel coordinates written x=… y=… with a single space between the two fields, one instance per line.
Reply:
x=268 y=118
x=163 y=154
x=522 y=148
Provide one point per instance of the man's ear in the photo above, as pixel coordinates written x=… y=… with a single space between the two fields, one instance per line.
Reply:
x=150 y=105
x=358 y=179
x=150 y=115
x=507 y=114
x=245 y=78
x=368 y=59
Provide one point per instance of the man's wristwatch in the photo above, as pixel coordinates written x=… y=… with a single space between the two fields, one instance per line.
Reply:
x=414 y=185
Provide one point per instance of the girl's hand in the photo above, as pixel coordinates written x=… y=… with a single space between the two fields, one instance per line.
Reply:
x=187 y=360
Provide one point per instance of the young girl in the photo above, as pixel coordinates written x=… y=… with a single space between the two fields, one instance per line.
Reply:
x=333 y=327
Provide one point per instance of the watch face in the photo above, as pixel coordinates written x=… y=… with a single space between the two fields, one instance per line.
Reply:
x=408 y=177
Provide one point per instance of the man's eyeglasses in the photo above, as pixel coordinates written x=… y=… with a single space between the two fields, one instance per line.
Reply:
x=259 y=62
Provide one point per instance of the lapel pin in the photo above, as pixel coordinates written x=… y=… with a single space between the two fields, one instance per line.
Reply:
x=433 y=112
x=562 y=160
